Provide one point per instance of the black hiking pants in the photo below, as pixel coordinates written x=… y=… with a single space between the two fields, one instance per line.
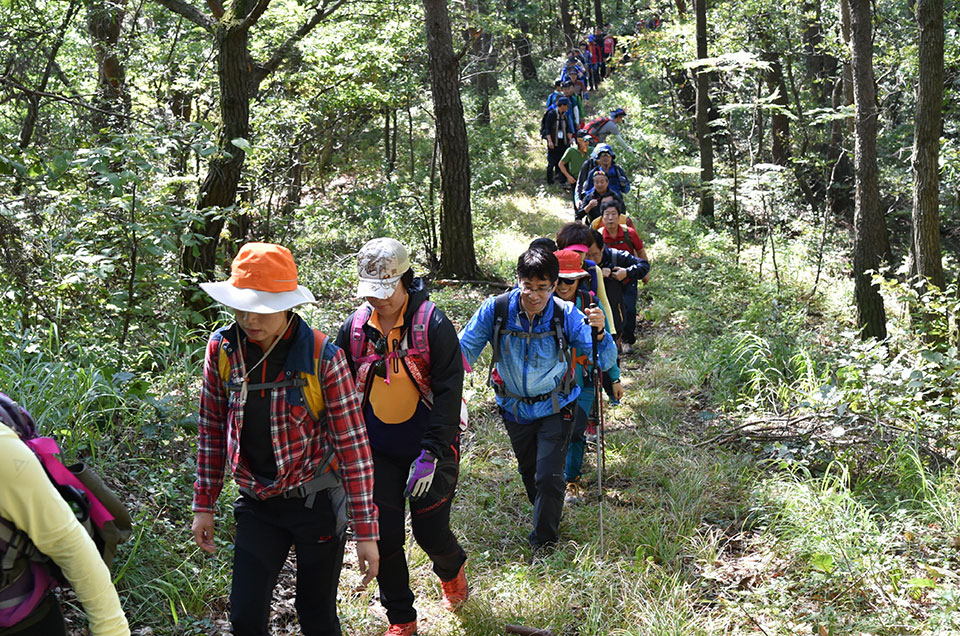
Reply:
x=553 y=162
x=541 y=450
x=265 y=532
x=430 y=518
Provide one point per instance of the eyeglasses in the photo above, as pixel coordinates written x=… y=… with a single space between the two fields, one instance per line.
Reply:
x=541 y=291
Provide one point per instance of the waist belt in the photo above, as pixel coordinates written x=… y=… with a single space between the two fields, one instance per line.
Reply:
x=329 y=480
x=502 y=391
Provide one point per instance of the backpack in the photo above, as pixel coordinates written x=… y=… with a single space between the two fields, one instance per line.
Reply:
x=27 y=574
x=306 y=391
x=415 y=346
x=596 y=125
x=501 y=306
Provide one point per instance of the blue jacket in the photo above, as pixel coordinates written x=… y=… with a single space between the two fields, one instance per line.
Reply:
x=618 y=179
x=532 y=367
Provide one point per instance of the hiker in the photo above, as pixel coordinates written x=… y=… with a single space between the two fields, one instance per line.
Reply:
x=621 y=269
x=555 y=95
x=531 y=334
x=602 y=154
x=590 y=206
x=577 y=237
x=554 y=127
x=405 y=357
x=609 y=46
x=603 y=127
x=576 y=113
x=611 y=199
x=593 y=63
x=35 y=518
x=279 y=404
x=618 y=231
x=619 y=182
x=571 y=272
x=573 y=158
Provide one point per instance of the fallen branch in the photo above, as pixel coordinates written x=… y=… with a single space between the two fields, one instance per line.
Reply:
x=489 y=283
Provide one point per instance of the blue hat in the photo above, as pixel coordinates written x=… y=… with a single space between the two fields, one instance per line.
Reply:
x=591 y=38
x=563 y=101
x=617 y=113
x=601 y=148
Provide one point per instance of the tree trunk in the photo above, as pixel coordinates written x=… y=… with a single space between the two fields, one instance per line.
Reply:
x=521 y=41
x=219 y=188
x=779 y=119
x=681 y=8
x=458 y=259
x=567 y=23
x=703 y=108
x=485 y=78
x=926 y=144
x=598 y=12
x=869 y=225
x=104 y=19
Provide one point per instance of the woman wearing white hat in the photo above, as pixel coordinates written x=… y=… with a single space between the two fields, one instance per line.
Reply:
x=279 y=404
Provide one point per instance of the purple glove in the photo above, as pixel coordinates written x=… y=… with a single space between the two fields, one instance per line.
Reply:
x=421 y=475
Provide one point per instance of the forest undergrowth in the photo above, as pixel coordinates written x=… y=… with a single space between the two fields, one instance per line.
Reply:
x=755 y=483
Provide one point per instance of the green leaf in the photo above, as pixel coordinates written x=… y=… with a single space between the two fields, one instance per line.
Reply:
x=242 y=144
x=822 y=563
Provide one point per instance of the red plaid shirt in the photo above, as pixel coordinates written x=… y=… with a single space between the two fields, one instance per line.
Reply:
x=299 y=444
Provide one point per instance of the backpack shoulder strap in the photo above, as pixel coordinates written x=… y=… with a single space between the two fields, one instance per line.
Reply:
x=313 y=387
x=419 y=329
x=501 y=306
x=357 y=337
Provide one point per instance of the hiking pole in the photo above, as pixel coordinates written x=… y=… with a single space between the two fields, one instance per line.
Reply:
x=596 y=413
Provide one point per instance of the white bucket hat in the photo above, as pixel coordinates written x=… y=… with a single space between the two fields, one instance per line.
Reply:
x=263 y=280
x=380 y=264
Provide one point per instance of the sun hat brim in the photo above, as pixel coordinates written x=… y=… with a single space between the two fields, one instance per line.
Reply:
x=574 y=275
x=256 y=301
x=377 y=288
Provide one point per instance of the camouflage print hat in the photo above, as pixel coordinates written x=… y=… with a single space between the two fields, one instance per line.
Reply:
x=380 y=264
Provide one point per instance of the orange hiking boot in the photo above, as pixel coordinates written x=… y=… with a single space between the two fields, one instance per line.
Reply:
x=455 y=591
x=402 y=629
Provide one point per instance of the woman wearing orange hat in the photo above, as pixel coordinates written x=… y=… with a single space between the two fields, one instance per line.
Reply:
x=279 y=404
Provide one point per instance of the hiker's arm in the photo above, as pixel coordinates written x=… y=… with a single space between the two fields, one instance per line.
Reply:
x=348 y=434
x=637 y=267
x=32 y=503
x=566 y=173
x=620 y=138
x=211 y=432
x=475 y=336
x=343 y=341
x=446 y=382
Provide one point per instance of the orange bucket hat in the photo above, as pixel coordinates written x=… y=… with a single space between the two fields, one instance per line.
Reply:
x=263 y=280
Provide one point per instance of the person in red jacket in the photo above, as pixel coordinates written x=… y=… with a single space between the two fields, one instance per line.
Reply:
x=279 y=407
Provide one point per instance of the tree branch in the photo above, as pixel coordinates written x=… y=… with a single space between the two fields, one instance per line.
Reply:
x=254 y=15
x=215 y=8
x=261 y=71
x=190 y=13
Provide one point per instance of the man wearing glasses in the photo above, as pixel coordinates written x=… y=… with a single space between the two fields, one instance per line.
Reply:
x=532 y=335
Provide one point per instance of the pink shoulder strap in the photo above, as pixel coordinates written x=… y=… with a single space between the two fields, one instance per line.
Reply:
x=418 y=330
x=360 y=318
x=45 y=449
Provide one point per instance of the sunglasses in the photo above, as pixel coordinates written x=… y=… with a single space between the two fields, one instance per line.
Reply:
x=380 y=366
x=566 y=282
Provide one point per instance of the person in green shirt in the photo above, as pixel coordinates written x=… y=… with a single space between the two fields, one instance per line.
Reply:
x=573 y=159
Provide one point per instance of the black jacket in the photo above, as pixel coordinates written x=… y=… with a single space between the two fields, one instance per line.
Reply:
x=636 y=267
x=446 y=370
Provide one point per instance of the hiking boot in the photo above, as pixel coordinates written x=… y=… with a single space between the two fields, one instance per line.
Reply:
x=572 y=494
x=627 y=348
x=591 y=433
x=402 y=629
x=455 y=591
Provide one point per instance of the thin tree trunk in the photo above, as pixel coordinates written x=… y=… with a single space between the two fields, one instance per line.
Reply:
x=869 y=225
x=703 y=107
x=458 y=258
x=598 y=12
x=567 y=22
x=925 y=246
x=104 y=19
